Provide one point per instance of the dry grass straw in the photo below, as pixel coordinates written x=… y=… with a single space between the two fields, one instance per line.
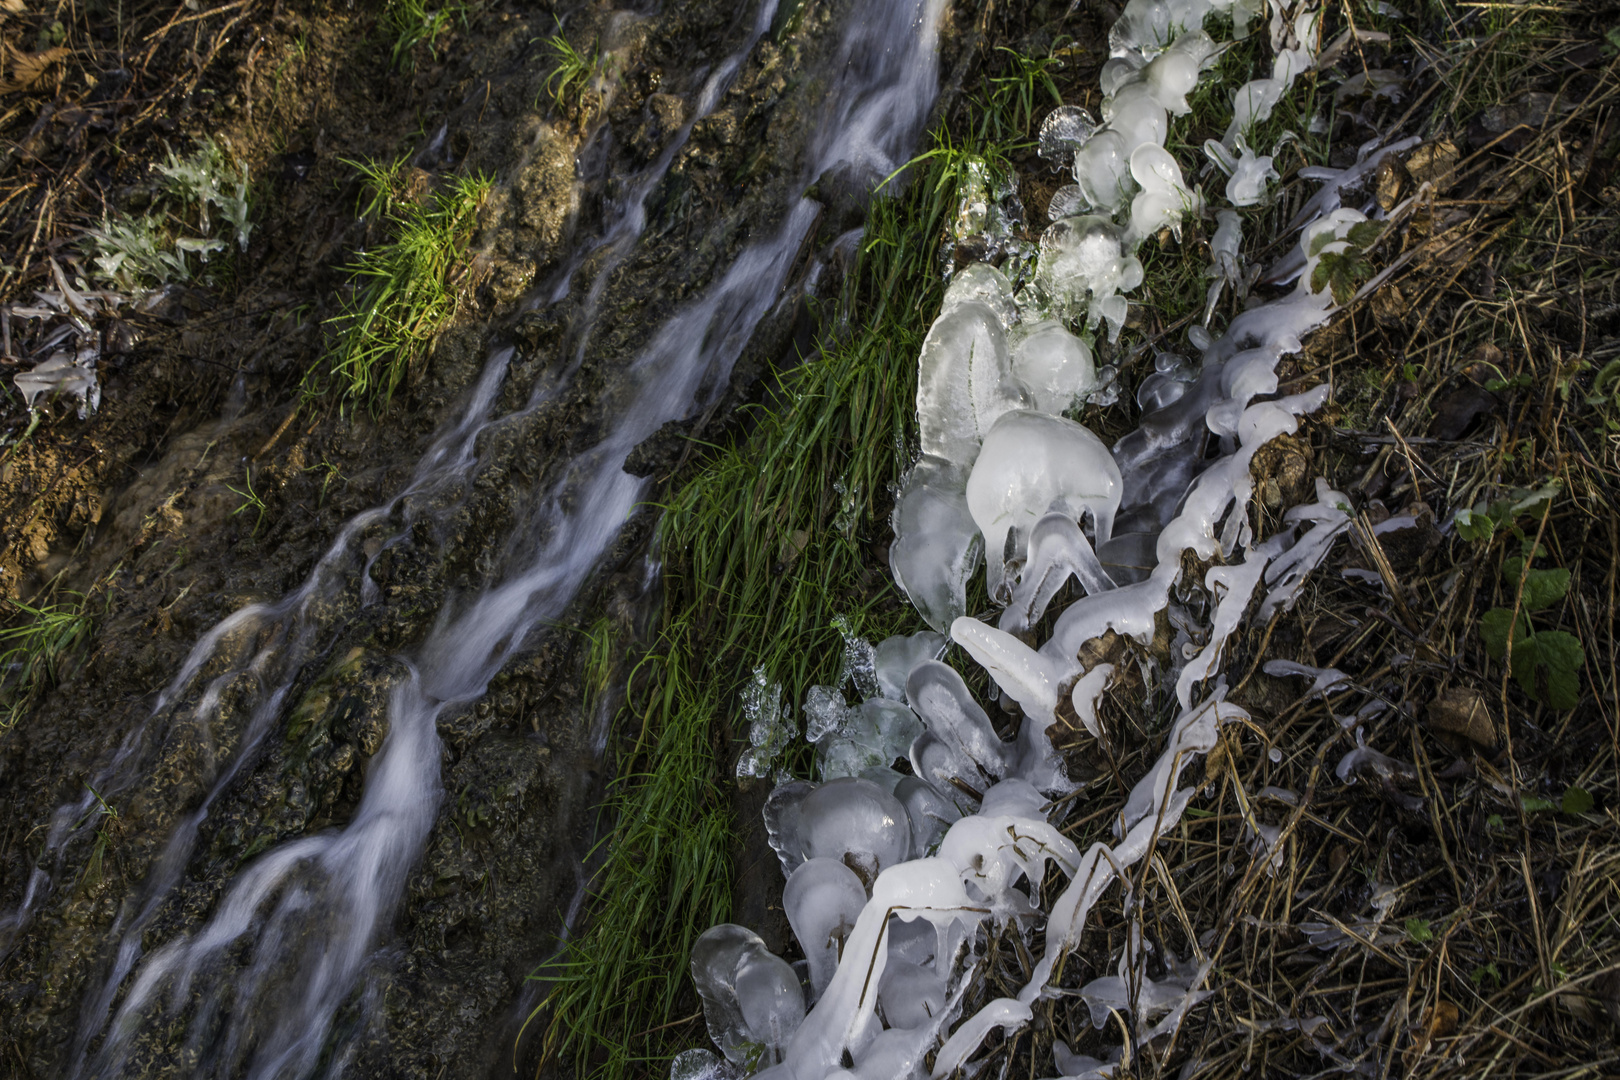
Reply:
x=97 y=102
x=1459 y=918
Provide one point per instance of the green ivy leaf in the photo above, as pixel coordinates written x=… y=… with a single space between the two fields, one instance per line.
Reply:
x=1577 y=800
x=1474 y=525
x=1419 y=931
x=1322 y=240
x=1550 y=659
x=1542 y=588
x=1365 y=234
x=1493 y=628
x=1533 y=804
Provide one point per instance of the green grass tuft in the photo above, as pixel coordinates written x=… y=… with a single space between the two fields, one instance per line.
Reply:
x=405 y=290
x=37 y=651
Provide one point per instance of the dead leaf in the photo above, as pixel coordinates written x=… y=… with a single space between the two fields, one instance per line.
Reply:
x=1434 y=163
x=25 y=69
x=13 y=7
x=1442 y=1020
x=1461 y=713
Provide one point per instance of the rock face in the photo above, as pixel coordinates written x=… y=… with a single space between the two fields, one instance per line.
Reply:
x=149 y=521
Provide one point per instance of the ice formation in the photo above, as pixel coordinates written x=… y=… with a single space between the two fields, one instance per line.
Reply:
x=1033 y=463
x=891 y=878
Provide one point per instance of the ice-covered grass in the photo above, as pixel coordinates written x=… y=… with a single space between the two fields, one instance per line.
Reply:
x=999 y=478
x=756 y=571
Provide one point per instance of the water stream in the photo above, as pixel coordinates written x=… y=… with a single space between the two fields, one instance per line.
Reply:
x=293 y=936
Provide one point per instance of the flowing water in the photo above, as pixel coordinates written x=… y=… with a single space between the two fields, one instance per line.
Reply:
x=291 y=940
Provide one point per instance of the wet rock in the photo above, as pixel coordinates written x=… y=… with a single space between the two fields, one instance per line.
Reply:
x=660 y=452
x=662 y=116
x=845 y=192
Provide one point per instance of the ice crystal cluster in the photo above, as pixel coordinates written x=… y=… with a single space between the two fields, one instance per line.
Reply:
x=891 y=878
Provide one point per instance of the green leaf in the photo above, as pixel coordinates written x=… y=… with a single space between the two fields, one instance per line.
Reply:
x=1542 y=588
x=1323 y=239
x=1418 y=930
x=1483 y=972
x=1532 y=804
x=1577 y=800
x=1366 y=234
x=1474 y=525
x=1493 y=628
x=1494 y=823
x=1550 y=660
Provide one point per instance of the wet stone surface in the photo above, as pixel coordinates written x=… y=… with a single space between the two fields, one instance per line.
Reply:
x=140 y=499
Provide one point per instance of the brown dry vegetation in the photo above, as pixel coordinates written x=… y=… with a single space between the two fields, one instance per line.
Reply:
x=1450 y=911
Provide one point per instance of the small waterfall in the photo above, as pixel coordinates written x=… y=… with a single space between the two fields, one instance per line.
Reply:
x=290 y=940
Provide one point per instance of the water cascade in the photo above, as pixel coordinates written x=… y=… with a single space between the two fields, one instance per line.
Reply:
x=1005 y=477
x=295 y=933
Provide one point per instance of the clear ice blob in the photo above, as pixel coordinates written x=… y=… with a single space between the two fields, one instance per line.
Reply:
x=1084 y=268
x=822 y=900
x=1102 y=170
x=897 y=655
x=1247 y=173
x=1057 y=550
x=930 y=813
x=1067 y=201
x=936 y=543
x=984 y=283
x=964 y=381
x=784 y=823
x=947 y=770
x=1055 y=365
x=1117 y=72
x=1034 y=464
x=749 y=995
x=947 y=707
x=855 y=821
x=771 y=1000
x=1137 y=116
x=910 y=995
x=1164 y=198
x=1066 y=129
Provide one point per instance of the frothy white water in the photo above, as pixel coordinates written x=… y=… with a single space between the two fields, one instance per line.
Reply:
x=288 y=943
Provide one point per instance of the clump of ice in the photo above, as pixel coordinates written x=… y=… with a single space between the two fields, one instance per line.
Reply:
x=1055 y=365
x=1066 y=129
x=751 y=997
x=1165 y=198
x=1102 y=170
x=770 y=725
x=963 y=843
x=1247 y=173
x=936 y=544
x=1084 y=268
x=822 y=900
x=1226 y=260
x=1032 y=464
x=964 y=381
x=1173 y=74
x=896 y=656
